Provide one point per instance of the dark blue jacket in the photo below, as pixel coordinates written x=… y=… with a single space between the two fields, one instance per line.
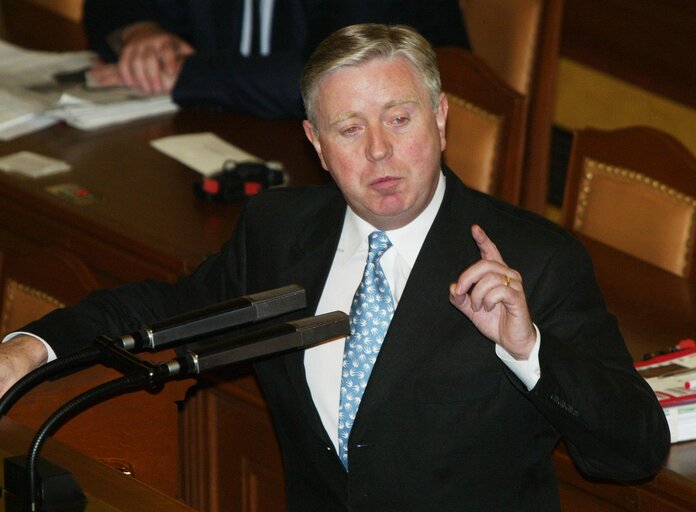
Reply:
x=263 y=86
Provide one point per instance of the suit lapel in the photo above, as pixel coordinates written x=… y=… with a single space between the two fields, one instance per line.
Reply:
x=314 y=255
x=424 y=313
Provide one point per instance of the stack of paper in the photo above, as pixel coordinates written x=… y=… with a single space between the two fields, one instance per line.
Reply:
x=673 y=378
x=31 y=98
x=87 y=115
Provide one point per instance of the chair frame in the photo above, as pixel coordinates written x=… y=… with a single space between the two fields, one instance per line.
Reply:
x=469 y=79
x=53 y=274
x=654 y=154
x=539 y=87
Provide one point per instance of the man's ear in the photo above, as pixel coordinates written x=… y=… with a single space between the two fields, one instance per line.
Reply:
x=441 y=119
x=313 y=137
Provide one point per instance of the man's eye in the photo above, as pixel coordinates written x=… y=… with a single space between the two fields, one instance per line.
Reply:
x=401 y=120
x=351 y=130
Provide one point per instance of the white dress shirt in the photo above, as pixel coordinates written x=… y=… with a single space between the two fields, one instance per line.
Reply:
x=323 y=362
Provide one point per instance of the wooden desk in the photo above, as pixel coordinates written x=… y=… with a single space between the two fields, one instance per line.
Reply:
x=655 y=310
x=147 y=223
x=107 y=490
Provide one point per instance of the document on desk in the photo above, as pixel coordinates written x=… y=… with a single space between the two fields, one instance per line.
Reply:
x=203 y=152
x=32 y=96
x=32 y=165
x=672 y=377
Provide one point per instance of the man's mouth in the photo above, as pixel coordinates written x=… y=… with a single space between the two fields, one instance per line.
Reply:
x=385 y=183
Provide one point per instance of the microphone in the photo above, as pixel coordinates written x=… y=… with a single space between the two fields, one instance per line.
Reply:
x=203 y=321
x=216 y=317
x=296 y=334
x=145 y=375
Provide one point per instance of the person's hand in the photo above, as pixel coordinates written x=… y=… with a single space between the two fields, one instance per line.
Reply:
x=106 y=75
x=151 y=58
x=491 y=295
x=19 y=356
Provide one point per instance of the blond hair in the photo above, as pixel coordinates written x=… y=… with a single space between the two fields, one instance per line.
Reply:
x=358 y=44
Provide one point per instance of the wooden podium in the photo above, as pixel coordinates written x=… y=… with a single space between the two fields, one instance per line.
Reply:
x=106 y=489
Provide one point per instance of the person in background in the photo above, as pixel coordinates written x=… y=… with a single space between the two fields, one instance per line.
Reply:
x=479 y=337
x=245 y=55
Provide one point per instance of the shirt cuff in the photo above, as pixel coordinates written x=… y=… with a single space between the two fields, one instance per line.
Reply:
x=51 y=354
x=529 y=371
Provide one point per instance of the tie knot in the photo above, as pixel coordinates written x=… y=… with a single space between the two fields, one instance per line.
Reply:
x=379 y=242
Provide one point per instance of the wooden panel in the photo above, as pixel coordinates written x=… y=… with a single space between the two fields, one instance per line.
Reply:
x=107 y=490
x=647 y=42
x=41 y=27
x=232 y=461
x=136 y=432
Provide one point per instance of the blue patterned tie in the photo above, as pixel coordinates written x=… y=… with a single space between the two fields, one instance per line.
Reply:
x=370 y=313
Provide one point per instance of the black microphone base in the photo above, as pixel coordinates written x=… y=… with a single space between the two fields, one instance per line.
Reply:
x=59 y=490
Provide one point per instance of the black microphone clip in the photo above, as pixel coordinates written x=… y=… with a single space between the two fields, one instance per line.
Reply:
x=239 y=180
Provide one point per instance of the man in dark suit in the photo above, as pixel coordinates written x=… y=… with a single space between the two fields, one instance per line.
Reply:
x=246 y=55
x=494 y=352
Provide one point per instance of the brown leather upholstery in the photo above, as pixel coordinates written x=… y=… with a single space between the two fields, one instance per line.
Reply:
x=35 y=284
x=520 y=39
x=485 y=127
x=634 y=189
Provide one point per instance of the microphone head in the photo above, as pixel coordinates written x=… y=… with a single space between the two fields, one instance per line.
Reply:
x=283 y=337
x=217 y=317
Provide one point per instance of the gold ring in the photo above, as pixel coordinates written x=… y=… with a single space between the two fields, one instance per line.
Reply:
x=507 y=280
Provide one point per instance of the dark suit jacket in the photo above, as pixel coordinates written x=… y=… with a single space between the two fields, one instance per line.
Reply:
x=264 y=86
x=443 y=424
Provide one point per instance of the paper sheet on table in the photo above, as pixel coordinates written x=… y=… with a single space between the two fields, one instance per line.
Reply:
x=32 y=165
x=203 y=152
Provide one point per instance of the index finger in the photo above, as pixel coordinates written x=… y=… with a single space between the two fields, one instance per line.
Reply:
x=487 y=248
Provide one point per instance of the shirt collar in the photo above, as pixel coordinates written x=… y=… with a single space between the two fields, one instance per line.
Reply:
x=407 y=240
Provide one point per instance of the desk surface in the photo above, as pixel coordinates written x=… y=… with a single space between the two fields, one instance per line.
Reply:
x=145 y=200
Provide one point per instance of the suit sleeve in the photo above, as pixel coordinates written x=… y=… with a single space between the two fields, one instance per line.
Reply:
x=261 y=86
x=589 y=390
x=126 y=308
x=100 y=18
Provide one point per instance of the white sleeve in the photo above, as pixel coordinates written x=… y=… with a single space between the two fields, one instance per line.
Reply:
x=51 y=354
x=528 y=371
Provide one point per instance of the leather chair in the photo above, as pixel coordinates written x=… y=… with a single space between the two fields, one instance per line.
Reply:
x=37 y=283
x=485 y=127
x=520 y=41
x=634 y=189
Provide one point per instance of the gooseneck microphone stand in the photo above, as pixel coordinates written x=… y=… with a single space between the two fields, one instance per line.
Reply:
x=139 y=374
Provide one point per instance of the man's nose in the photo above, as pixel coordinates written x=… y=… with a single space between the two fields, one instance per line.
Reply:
x=379 y=144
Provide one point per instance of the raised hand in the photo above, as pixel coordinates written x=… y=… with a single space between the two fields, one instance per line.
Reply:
x=491 y=295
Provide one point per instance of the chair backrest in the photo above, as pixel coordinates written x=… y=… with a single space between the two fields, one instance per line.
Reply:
x=485 y=126
x=520 y=41
x=35 y=284
x=634 y=189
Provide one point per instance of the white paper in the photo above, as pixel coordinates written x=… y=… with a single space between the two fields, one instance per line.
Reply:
x=203 y=152
x=28 y=90
x=32 y=164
